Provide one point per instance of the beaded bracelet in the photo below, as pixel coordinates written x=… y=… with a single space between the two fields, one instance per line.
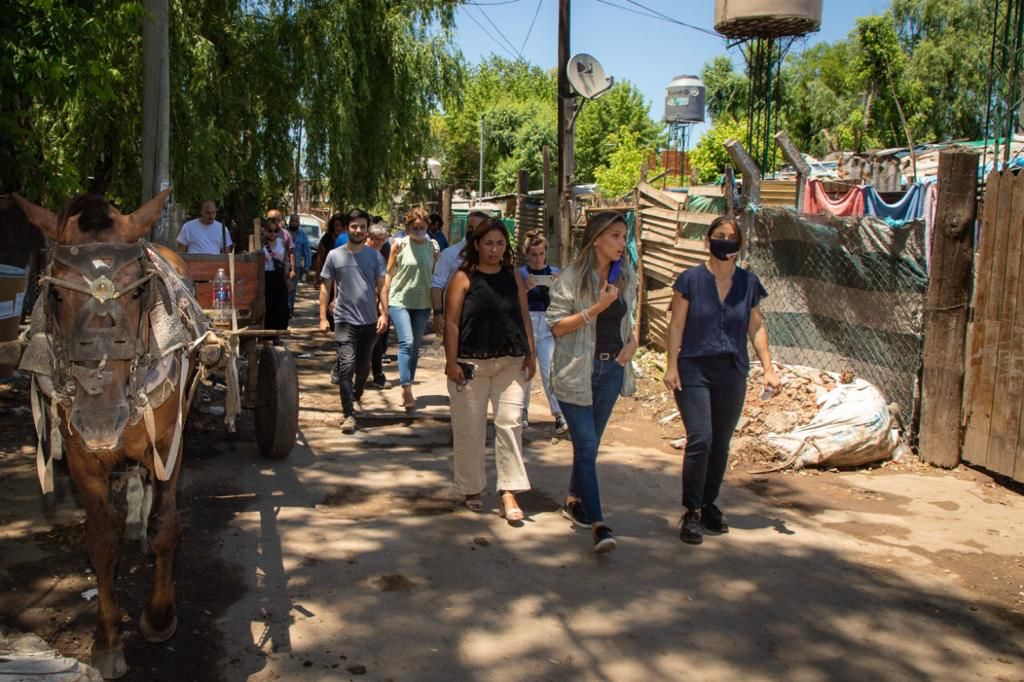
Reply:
x=586 y=318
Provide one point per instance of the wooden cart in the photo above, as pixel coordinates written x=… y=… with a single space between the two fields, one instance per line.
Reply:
x=266 y=372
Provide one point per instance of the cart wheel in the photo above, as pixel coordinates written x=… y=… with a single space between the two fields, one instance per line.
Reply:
x=277 y=419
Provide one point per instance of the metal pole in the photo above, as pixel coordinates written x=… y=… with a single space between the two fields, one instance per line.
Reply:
x=565 y=134
x=156 y=117
x=480 y=191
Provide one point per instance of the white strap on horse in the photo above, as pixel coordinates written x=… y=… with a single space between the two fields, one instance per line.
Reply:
x=163 y=473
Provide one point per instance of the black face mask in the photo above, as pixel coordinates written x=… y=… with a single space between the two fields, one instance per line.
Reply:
x=723 y=248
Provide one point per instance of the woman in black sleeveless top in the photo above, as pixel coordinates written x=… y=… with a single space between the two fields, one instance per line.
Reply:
x=488 y=333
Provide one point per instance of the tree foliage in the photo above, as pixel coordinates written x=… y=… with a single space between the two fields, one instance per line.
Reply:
x=708 y=157
x=601 y=124
x=359 y=78
x=518 y=103
x=918 y=71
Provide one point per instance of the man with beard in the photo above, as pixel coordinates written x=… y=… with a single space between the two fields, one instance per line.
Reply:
x=360 y=310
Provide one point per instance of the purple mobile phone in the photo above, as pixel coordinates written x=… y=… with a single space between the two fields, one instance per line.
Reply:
x=613 y=273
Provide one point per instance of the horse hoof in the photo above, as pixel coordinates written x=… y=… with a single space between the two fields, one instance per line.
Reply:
x=157 y=636
x=110 y=664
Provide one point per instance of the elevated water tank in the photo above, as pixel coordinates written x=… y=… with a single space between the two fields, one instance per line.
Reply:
x=767 y=18
x=684 y=100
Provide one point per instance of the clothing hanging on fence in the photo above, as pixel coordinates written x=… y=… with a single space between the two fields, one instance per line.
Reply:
x=909 y=207
x=817 y=201
x=931 y=194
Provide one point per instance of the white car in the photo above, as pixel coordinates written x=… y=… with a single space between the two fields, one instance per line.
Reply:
x=313 y=227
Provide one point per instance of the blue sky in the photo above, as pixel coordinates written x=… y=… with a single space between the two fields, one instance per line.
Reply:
x=647 y=51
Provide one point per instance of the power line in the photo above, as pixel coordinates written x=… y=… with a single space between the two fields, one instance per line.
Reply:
x=489 y=35
x=655 y=14
x=500 y=33
x=528 y=32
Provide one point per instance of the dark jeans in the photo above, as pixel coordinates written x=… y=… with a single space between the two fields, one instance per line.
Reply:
x=710 y=403
x=355 y=346
x=586 y=426
x=380 y=349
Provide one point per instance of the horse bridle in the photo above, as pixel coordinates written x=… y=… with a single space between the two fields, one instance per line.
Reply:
x=90 y=261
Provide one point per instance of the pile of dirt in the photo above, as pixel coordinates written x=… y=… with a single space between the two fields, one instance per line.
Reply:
x=794 y=405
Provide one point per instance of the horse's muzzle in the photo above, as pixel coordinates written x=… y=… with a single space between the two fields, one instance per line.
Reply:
x=99 y=423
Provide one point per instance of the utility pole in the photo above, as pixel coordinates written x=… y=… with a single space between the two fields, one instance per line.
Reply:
x=156 y=116
x=566 y=163
x=298 y=169
x=480 y=191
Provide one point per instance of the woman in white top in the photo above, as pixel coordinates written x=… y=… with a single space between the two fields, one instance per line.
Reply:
x=276 y=284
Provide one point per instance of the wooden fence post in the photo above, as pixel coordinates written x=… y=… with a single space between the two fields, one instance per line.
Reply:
x=946 y=309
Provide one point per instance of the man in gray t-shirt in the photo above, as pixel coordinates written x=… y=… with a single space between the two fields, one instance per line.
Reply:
x=360 y=310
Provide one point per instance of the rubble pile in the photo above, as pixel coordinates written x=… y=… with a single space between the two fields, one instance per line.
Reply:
x=796 y=404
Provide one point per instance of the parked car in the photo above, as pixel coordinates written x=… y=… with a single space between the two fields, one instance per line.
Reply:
x=313 y=227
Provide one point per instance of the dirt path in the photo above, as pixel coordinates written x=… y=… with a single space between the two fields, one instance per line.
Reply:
x=352 y=559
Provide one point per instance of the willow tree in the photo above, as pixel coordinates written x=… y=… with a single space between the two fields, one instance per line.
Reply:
x=359 y=78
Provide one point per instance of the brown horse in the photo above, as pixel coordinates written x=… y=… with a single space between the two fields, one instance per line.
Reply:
x=101 y=290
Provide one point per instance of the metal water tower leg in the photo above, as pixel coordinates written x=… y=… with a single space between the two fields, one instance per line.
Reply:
x=796 y=159
x=751 y=174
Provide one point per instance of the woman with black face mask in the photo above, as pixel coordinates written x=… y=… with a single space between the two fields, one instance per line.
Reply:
x=714 y=311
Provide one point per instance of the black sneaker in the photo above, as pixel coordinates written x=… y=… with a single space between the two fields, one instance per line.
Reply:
x=713 y=520
x=335 y=376
x=604 y=541
x=379 y=382
x=560 y=425
x=691 y=532
x=574 y=512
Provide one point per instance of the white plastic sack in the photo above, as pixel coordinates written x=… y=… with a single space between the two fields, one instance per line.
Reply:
x=853 y=427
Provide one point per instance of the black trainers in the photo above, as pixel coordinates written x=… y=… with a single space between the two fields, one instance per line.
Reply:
x=713 y=520
x=604 y=541
x=560 y=425
x=691 y=532
x=574 y=512
x=379 y=381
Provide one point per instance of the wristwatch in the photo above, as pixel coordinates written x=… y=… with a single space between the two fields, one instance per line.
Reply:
x=438 y=311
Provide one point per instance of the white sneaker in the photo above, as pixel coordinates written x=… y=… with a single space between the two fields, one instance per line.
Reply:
x=524 y=418
x=348 y=425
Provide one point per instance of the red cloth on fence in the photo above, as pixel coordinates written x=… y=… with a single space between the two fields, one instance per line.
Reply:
x=817 y=201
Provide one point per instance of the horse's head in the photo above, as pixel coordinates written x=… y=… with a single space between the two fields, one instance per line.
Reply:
x=99 y=289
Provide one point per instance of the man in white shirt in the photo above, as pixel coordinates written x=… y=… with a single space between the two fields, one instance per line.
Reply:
x=447 y=263
x=204 y=234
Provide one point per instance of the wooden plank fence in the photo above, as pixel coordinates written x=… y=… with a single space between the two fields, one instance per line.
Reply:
x=994 y=388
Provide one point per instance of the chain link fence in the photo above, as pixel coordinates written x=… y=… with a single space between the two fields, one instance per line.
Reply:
x=844 y=294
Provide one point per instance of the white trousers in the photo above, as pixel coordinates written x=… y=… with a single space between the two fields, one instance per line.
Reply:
x=498 y=382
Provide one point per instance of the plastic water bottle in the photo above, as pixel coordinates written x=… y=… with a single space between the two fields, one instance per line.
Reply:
x=222 y=306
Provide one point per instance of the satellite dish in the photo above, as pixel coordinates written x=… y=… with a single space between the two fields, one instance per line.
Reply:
x=587 y=77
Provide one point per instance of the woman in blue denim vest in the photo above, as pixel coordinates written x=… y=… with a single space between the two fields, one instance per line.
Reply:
x=714 y=311
x=592 y=315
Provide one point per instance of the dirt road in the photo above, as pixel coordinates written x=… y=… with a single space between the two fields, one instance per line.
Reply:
x=352 y=560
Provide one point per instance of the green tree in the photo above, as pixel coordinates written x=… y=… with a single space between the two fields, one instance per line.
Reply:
x=360 y=78
x=708 y=158
x=725 y=91
x=517 y=102
x=621 y=172
x=621 y=107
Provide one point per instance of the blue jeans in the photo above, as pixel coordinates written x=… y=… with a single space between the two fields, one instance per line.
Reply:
x=292 y=292
x=710 y=403
x=409 y=325
x=586 y=426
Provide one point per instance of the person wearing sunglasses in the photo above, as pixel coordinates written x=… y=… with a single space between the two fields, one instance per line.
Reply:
x=275 y=282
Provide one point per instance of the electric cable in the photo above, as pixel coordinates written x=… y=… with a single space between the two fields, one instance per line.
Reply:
x=489 y=35
x=500 y=32
x=532 y=22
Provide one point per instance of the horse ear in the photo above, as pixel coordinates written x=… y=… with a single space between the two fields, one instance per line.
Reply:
x=45 y=221
x=147 y=214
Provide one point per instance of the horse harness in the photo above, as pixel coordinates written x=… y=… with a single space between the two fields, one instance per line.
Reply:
x=153 y=360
